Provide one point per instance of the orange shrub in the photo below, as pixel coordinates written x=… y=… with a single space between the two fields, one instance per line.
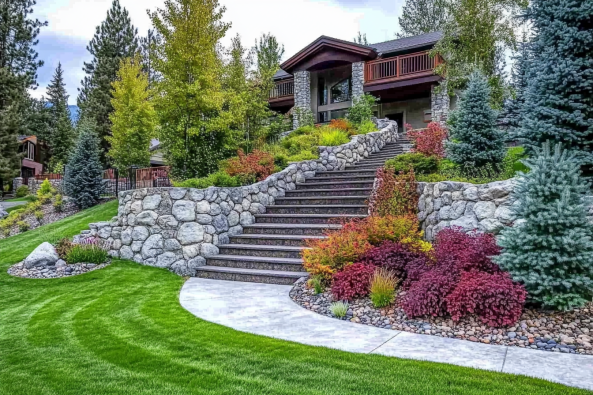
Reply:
x=258 y=165
x=395 y=194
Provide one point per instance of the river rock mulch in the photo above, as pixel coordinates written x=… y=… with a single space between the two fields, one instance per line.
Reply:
x=570 y=332
x=61 y=269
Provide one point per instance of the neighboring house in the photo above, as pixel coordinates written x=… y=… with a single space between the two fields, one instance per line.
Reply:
x=156 y=154
x=328 y=74
x=31 y=162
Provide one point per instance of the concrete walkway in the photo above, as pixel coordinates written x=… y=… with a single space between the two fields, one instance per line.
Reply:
x=267 y=310
x=8 y=205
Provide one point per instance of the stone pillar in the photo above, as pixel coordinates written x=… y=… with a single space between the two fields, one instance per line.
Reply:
x=302 y=95
x=357 y=80
x=16 y=183
x=440 y=103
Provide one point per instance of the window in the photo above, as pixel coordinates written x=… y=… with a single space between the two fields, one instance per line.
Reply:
x=342 y=91
x=29 y=149
x=337 y=114
x=322 y=92
x=323 y=117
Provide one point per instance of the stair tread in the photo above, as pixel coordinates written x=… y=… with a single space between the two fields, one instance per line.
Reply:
x=297 y=226
x=322 y=197
x=262 y=247
x=311 y=215
x=267 y=259
x=280 y=237
x=318 y=205
x=334 y=182
x=329 y=190
x=252 y=272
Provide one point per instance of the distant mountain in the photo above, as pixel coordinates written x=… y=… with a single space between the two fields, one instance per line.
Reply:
x=74 y=110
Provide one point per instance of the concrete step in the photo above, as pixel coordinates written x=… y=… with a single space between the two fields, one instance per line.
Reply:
x=329 y=192
x=335 y=185
x=322 y=200
x=290 y=229
x=305 y=218
x=250 y=275
x=340 y=173
x=260 y=251
x=279 y=240
x=318 y=209
x=368 y=178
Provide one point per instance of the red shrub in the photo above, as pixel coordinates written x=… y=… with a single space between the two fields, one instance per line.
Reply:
x=257 y=165
x=428 y=295
x=341 y=124
x=466 y=251
x=353 y=282
x=429 y=141
x=395 y=194
x=397 y=258
x=495 y=298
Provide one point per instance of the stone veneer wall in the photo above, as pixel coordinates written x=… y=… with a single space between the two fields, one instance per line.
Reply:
x=177 y=228
x=486 y=207
x=35 y=184
x=357 y=80
x=440 y=103
x=302 y=93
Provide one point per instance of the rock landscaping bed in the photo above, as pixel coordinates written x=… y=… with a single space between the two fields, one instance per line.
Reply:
x=570 y=332
x=61 y=269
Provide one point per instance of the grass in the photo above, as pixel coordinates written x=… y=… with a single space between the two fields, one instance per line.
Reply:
x=121 y=330
x=21 y=199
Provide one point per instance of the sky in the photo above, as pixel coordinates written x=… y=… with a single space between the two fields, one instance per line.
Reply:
x=296 y=23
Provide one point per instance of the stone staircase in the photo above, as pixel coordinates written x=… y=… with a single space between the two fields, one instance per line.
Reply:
x=269 y=251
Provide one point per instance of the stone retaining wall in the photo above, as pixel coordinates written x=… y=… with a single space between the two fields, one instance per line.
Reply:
x=177 y=228
x=35 y=184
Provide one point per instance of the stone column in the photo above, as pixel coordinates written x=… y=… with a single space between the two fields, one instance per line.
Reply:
x=357 y=80
x=16 y=183
x=302 y=95
x=440 y=103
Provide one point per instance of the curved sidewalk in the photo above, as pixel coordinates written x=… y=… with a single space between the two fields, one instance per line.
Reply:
x=267 y=310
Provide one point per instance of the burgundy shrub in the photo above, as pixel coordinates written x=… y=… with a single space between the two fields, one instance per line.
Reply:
x=495 y=298
x=397 y=258
x=466 y=251
x=353 y=281
x=427 y=296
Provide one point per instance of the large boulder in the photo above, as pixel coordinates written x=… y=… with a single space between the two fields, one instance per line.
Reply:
x=44 y=255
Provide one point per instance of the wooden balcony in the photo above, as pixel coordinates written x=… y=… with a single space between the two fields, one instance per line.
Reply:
x=282 y=91
x=399 y=68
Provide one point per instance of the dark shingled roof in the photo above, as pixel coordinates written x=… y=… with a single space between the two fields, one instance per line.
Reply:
x=281 y=74
x=403 y=44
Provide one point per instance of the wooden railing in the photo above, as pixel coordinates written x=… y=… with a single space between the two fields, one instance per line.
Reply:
x=282 y=89
x=49 y=176
x=401 y=67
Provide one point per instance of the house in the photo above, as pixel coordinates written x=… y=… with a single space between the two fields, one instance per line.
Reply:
x=325 y=77
x=31 y=162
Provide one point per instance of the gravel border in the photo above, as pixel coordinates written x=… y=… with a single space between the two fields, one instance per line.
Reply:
x=51 y=272
x=566 y=332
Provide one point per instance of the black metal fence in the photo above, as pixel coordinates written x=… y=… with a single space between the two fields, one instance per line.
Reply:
x=134 y=178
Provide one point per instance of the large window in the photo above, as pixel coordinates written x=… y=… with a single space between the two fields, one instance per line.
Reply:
x=337 y=114
x=342 y=91
x=322 y=91
x=29 y=149
x=323 y=117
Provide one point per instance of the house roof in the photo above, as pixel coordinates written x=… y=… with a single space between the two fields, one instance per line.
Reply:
x=281 y=74
x=402 y=44
x=23 y=138
x=154 y=145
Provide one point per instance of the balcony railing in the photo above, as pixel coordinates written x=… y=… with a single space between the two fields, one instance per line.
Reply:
x=283 y=89
x=400 y=67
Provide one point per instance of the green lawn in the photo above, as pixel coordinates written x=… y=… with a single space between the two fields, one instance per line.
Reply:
x=121 y=330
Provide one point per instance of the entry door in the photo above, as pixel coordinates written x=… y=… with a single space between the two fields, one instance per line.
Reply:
x=397 y=117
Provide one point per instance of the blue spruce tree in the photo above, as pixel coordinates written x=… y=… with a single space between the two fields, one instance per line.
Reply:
x=83 y=181
x=550 y=248
x=559 y=98
x=475 y=138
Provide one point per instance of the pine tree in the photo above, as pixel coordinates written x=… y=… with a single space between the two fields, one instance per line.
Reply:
x=62 y=135
x=83 y=179
x=361 y=39
x=423 y=16
x=189 y=96
x=475 y=138
x=18 y=72
x=115 y=39
x=550 y=248
x=133 y=118
x=559 y=99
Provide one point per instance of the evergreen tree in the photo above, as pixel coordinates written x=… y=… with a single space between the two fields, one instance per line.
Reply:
x=475 y=138
x=18 y=72
x=133 y=118
x=423 y=16
x=512 y=114
x=62 y=134
x=559 y=98
x=189 y=96
x=115 y=39
x=550 y=248
x=147 y=48
x=361 y=39
x=83 y=179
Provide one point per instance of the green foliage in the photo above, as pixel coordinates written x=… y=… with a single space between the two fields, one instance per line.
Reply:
x=86 y=253
x=362 y=109
x=339 y=309
x=366 y=127
x=58 y=204
x=114 y=40
x=22 y=191
x=421 y=164
x=361 y=39
x=45 y=188
x=133 y=118
x=23 y=226
x=218 y=179
x=423 y=16
x=333 y=138
x=317 y=283
x=39 y=215
x=475 y=137
x=383 y=288
x=550 y=250
x=83 y=181
x=559 y=98
x=61 y=136
x=303 y=117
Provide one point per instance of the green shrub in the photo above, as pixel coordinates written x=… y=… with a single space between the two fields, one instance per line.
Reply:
x=317 y=283
x=383 y=288
x=88 y=253
x=362 y=109
x=63 y=247
x=420 y=163
x=339 y=309
x=58 y=204
x=44 y=189
x=218 y=179
x=333 y=138
x=366 y=127
x=22 y=191
x=39 y=215
x=23 y=226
